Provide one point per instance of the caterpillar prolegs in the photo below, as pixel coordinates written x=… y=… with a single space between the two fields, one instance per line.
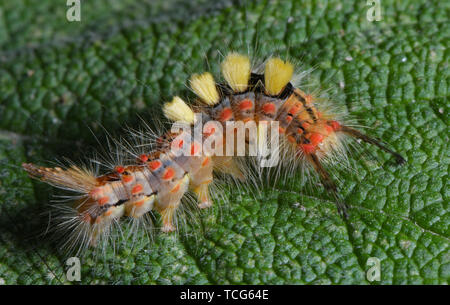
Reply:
x=180 y=160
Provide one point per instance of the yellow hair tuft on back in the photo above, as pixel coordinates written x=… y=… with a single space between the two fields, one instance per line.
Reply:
x=205 y=87
x=236 y=71
x=277 y=75
x=178 y=110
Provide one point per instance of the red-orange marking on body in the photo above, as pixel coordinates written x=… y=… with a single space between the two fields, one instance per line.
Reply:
x=178 y=143
x=308 y=148
x=245 y=105
x=154 y=165
x=299 y=130
x=176 y=188
x=139 y=203
x=291 y=139
x=127 y=178
x=281 y=130
x=288 y=119
x=226 y=114
x=305 y=125
x=108 y=213
x=205 y=161
x=169 y=173
x=329 y=129
x=120 y=169
x=98 y=191
x=194 y=149
x=336 y=126
x=269 y=108
x=143 y=158
x=137 y=189
x=294 y=109
x=103 y=200
x=316 y=138
x=207 y=131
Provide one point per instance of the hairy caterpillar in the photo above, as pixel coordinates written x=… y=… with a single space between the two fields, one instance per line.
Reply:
x=179 y=161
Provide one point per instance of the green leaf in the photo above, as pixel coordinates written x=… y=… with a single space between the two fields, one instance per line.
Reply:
x=58 y=80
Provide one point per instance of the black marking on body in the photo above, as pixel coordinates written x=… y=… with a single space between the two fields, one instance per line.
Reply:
x=307 y=107
x=120 y=202
x=255 y=79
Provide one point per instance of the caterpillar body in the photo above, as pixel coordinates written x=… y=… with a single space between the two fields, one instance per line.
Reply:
x=159 y=179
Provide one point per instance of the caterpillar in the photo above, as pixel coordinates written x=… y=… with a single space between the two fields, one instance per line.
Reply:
x=179 y=160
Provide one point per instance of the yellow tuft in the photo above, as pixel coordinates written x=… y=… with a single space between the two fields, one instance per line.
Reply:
x=205 y=87
x=177 y=110
x=236 y=71
x=277 y=75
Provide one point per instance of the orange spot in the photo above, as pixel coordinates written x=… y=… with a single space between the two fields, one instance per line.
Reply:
x=169 y=173
x=154 y=165
x=194 y=149
x=143 y=158
x=288 y=119
x=120 y=169
x=209 y=130
x=299 y=130
x=335 y=125
x=98 y=191
x=176 y=188
x=108 y=213
x=308 y=148
x=139 y=203
x=103 y=200
x=291 y=139
x=226 y=114
x=293 y=110
x=305 y=125
x=329 y=129
x=205 y=161
x=178 y=143
x=281 y=130
x=316 y=138
x=127 y=178
x=245 y=105
x=269 y=108
x=137 y=189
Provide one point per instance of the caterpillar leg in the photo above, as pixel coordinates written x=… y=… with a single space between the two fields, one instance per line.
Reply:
x=226 y=164
x=168 y=202
x=102 y=224
x=356 y=134
x=329 y=184
x=167 y=218
x=200 y=181
x=202 y=192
